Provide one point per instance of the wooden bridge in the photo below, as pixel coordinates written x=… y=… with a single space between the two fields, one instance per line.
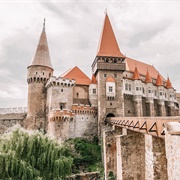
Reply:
x=147 y=125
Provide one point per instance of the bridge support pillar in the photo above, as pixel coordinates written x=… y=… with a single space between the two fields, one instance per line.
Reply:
x=172 y=140
x=155 y=158
x=110 y=152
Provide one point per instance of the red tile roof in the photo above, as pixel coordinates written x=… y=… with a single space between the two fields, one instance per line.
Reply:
x=159 y=81
x=168 y=84
x=136 y=75
x=78 y=75
x=93 y=80
x=142 y=68
x=108 y=45
x=110 y=79
x=148 y=78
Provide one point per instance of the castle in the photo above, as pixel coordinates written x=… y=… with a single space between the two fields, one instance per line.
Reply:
x=72 y=105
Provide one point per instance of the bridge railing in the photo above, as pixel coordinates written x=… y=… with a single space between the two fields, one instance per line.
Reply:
x=147 y=125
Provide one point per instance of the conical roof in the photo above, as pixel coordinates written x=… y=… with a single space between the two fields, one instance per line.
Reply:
x=93 y=80
x=159 y=81
x=42 y=56
x=78 y=75
x=148 y=78
x=136 y=75
x=168 y=84
x=108 y=45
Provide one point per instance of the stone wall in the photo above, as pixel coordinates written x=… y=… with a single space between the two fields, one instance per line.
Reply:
x=80 y=125
x=172 y=140
x=9 y=120
x=133 y=156
x=129 y=109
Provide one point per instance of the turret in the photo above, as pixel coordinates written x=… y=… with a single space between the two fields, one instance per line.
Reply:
x=137 y=82
x=149 y=85
x=160 y=87
x=39 y=71
x=93 y=91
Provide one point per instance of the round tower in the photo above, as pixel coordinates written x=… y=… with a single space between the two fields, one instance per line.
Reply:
x=39 y=71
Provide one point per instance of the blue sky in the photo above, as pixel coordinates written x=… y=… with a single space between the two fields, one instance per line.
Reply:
x=148 y=31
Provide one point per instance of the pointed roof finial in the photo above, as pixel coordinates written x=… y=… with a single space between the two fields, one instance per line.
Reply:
x=105 y=11
x=44 y=24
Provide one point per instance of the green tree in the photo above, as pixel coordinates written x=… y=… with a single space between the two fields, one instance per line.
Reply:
x=33 y=156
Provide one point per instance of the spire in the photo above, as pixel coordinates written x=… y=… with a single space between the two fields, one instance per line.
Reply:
x=148 y=78
x=168 y=84
x=136 y=75
x=108 y=45
x=159 y=81
x=93 y=80
x=42 y=56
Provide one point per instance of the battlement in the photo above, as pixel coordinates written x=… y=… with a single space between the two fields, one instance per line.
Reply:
x=59 y=81
x=84 y=109
x=61 y=115
x=37 y=80
x=13 y=110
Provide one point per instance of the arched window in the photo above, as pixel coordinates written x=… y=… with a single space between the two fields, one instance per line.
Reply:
x=126 y=87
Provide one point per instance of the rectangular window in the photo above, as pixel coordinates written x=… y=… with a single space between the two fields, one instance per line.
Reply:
x=62 y=106
x=137 y=89
x=149 y=91
x=105 y=75
x=94 y=91
x=160 y=93
x=115 y=75
x=110 y=89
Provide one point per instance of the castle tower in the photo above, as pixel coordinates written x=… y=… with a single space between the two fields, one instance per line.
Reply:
x=39 y=71
x=109 y=62
x=137 y=93
x=161 y=104
x=150 y=95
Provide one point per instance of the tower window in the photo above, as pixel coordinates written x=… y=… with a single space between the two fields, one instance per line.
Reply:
x=105 y=75
x=77 y=95
x=107 y=60
x=62 y=106
x=61 y=90
x=110 y=89
x=94 y=91
x=115 y=61
x=115 y=75
x=137 y=88
x=43 y=73
x=126 y=86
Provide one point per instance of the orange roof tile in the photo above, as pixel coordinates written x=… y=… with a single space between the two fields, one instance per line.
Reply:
x=108 y=45
x=93 y=80
x=136 y=75
x=78 y=75
x=168 y=84
x=110 y=79
x=148 y=78
x=142 y=68
x=159 y=81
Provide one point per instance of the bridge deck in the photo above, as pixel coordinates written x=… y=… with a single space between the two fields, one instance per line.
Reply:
x=147 y=125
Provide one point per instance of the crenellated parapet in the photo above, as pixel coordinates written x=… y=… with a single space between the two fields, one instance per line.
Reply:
x=86 y=110
x=61 y=115
x=59 y=81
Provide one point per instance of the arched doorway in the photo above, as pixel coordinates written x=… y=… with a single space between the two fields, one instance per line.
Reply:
x=110 y=115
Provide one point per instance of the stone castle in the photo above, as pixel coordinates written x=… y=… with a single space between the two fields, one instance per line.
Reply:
x=72 y=105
